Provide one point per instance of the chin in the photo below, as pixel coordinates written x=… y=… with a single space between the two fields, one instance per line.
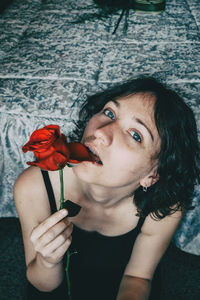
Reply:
x=83 y=168
x=87 y=171
x=88 y=164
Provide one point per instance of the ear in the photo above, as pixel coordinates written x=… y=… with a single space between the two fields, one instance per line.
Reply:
x=150 y=179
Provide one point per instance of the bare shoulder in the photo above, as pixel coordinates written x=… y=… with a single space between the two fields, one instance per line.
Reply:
x=25 y=179
x=32 y=205
x=151 y=244
x=29 y=191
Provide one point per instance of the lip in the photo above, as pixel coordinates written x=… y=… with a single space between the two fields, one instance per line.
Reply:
x=93 y=149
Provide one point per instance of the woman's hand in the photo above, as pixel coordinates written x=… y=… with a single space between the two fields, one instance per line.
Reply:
x=52 y=238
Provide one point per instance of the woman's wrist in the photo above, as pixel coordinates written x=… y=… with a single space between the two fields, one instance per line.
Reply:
x=43 y=275
x=46 y=264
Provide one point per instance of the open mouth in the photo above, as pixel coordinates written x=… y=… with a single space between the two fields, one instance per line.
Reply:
x=94 y=156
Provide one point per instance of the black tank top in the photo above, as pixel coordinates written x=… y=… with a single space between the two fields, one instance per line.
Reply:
x=98 y=264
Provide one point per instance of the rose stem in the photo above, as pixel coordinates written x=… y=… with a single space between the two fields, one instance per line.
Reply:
x=67 y=275
x=68 y=252
x=61 y=188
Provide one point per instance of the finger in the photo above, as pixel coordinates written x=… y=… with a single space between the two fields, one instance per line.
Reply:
x=48 y=223
x=51 y=234
x=58 y=241
x=59 y=252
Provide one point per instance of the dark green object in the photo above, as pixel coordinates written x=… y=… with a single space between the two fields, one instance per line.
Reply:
x=73 y=208
x=139 y=5
x=119 y=4
x=149 y=6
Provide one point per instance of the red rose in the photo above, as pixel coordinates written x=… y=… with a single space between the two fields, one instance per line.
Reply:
x=52 y=151
x=49 y=147
x=78 y=153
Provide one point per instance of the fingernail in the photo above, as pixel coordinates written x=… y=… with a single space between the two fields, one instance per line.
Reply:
x=64 y=212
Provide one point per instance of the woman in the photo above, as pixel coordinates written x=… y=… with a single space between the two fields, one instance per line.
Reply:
x=144 y=139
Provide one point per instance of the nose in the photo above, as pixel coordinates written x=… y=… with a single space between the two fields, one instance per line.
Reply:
x=104 y=134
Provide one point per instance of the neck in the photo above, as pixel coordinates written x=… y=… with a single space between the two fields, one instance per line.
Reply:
x=100 y=196
x=104 y=196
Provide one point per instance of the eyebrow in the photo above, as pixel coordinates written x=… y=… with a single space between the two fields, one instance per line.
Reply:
x=147 y=128
x=138 y=120
x=115 y=102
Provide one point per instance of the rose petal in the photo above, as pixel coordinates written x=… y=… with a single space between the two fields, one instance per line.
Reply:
x=78 y=153
x=40 y=155
x=52 y=163
x=61 y=146
x=42 y=138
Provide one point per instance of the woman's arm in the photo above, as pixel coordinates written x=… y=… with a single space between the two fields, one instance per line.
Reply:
x=149 y=247
x=46 y=237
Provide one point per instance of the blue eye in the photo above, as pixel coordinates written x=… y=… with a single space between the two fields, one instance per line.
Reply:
x=136 y=136
x=109 y=114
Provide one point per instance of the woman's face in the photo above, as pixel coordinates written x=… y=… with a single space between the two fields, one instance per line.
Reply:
x=126 y=143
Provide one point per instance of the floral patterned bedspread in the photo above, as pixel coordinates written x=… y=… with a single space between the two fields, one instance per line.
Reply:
x=53 y=53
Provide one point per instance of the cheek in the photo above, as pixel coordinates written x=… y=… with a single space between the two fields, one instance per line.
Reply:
x=122 y=159
x=131 y=162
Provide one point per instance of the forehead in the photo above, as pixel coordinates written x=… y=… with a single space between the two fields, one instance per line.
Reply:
x=139 y=102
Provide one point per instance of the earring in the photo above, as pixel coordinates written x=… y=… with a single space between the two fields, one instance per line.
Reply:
x=144 y=189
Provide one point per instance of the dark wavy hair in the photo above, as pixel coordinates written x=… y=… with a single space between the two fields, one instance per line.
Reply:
x=179 y=157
